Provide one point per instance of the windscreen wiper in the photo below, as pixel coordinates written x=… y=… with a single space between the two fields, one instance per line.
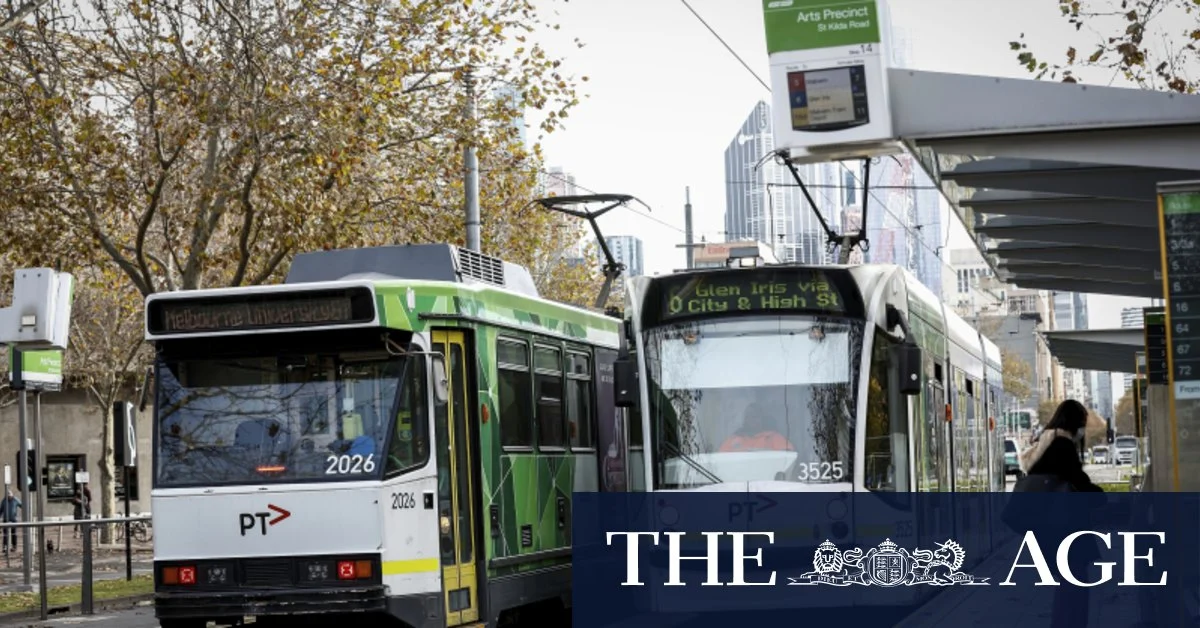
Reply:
x=693 y=464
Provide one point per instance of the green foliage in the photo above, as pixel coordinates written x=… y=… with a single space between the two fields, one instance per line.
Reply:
x=1150 y=42
x=1045 y=411
x=1017 y=376
x=151 y=145
x=1125 y=422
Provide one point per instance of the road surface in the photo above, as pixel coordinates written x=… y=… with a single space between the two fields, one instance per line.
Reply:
x=134 y=618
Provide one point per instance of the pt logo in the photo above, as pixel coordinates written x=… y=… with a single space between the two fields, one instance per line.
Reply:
x=888 y=566
x=247 y=519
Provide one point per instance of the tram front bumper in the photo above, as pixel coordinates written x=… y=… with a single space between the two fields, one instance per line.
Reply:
x=211 y=604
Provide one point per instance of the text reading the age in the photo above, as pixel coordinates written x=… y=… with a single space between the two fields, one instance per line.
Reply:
x=1129 y=557
x=716 y=296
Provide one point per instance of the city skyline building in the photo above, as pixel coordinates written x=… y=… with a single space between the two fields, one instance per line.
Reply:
x=1131 y=318
x=627 y=250
x=512 y=96
x=1070 y=313
x=762 y=200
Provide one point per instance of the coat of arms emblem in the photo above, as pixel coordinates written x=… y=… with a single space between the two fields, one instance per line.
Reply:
x=888 y=565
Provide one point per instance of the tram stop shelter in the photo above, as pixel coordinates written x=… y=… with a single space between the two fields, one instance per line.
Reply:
x=1056 y=182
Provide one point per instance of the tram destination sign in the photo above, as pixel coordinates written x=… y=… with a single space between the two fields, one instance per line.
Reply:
x=793 y=290
x=1180 y=215
x=312 y=308
x=1156 y=344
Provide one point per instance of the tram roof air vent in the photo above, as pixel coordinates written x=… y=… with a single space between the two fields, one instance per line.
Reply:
x=429 y=262
x=481 y=267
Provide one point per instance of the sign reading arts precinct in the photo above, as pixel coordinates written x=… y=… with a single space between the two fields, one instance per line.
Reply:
x=810 y=24
x=748 y=292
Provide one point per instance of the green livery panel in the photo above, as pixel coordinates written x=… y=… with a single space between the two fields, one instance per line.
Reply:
x=525 y=488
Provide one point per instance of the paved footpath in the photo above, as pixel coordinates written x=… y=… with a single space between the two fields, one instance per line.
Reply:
x=140 y=617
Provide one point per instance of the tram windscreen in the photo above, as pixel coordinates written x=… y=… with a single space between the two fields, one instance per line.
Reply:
x=754 y=399
x=286 y=418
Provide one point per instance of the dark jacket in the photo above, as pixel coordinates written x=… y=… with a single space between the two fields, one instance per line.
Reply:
x=1054 y=453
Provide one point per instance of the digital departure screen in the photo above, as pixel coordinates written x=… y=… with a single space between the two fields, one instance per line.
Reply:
x=262 y=311
x=828 y=100
x=744 y=291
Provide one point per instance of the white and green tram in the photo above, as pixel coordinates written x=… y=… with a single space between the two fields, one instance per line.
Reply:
x=838 y=379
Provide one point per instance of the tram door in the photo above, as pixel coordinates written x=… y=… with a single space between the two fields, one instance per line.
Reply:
x=456 y=490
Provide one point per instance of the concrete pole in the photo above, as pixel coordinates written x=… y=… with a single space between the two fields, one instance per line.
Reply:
x=471 y=179
x=40 y=455
x=687 y=226
x=26 y=561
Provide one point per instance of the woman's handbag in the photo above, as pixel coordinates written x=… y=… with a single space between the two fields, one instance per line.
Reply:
x=1027 y=514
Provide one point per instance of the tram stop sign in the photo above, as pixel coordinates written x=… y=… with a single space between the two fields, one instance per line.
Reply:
x=829 y=82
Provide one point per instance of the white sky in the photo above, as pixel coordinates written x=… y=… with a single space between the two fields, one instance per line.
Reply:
x=665 y=98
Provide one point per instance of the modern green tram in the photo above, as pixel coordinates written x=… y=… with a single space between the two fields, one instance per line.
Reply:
x=393 y=432
x=874 y=383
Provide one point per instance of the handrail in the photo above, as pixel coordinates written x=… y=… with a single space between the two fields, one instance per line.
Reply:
x=86 y=528
x=73 y=522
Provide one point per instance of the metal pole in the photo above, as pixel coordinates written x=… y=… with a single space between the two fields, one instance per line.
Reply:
x=86 y=588
x=687 y=228
x=471 y=163
x=128 y=538
x=26 y=534
x=40 y=454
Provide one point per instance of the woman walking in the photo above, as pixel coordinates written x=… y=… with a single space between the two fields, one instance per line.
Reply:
x=1054 y=458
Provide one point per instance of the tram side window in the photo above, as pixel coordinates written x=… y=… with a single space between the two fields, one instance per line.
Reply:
x=548 y=385
x=580 y=413
x=410 y=440
x=887 y=426
x=513 y=400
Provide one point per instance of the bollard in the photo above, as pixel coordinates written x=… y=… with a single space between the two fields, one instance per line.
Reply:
x=86 y=585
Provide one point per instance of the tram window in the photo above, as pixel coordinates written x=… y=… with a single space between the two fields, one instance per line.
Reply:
x=887 y=426
x=580 y=416
x=513 y=400
x=410 y=442
x=548 y=383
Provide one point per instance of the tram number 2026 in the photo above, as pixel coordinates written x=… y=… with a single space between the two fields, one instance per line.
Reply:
x=344 y=464
x=820 y=471
x=403 y=501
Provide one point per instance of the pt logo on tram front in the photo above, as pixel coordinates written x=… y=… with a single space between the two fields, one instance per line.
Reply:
x=887 y=565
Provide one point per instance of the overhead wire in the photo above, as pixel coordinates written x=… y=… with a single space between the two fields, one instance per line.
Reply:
x=727 y=47
x=936 y=251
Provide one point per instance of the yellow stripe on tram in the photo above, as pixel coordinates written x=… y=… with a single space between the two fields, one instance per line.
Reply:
x=417 y=565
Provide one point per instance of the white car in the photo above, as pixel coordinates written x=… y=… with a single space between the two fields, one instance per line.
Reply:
x=1100 y=455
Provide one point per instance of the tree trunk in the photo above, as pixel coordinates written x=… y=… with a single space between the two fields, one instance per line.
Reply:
x=104 y=395
x=107 y=488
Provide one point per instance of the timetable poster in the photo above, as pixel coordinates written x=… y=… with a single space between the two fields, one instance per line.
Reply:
x=1179 y=215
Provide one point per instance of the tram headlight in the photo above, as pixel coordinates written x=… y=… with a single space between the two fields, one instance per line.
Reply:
x=317 y=571
x=216 y=574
